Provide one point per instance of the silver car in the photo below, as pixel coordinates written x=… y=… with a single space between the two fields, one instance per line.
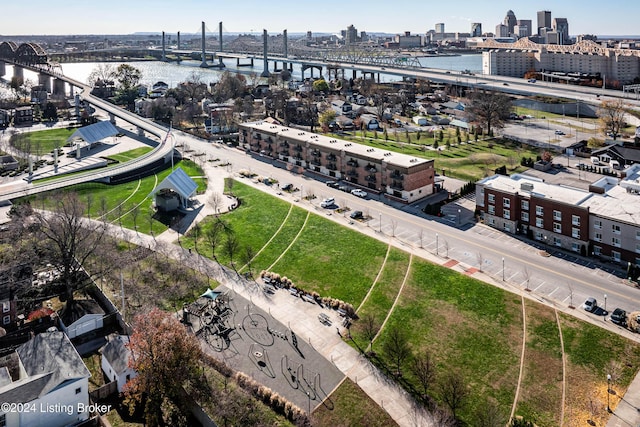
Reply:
x=590 y=304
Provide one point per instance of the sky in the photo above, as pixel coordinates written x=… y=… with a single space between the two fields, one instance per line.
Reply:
x=612 y=17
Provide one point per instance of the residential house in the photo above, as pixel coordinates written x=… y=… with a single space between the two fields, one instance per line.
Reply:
x=23 y=116
x=115 y=361
x=48 y=375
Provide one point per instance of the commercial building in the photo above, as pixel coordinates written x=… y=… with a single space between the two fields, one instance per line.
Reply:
x=603 y=222
x=397 y=176
x=544 y=19
x=561 y=26
x=510 y=21
x=588 y=57
x=476 y=29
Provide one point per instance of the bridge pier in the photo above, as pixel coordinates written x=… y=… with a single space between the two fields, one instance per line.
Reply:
x=112 y=119
x=58 y=87
x=3 y=68
x=45 y=81
x=18 y=74
x=265 y=69
x=140 y=132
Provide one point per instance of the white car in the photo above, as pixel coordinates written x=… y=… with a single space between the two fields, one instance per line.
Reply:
x=590 y=304
x=327 y=203
x=358 y=192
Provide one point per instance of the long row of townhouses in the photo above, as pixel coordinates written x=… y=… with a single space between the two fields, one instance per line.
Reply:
x=603 y=221
x=399 y=177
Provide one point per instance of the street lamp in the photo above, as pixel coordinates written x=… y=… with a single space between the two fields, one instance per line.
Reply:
x=503 y=269
x=380 y=222
x=437 y=244
x=608 y=392
x=605 y=304
x=459 y=217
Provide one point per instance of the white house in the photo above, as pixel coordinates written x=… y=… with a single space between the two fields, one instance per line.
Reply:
x=115 y=361
x=47 y=375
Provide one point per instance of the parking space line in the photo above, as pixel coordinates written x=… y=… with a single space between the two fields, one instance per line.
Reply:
x=543 y=282
x=552 y=292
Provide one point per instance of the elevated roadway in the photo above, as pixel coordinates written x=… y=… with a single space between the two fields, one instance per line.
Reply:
x=164 y=150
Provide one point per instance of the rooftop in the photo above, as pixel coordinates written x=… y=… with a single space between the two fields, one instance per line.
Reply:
x=352 y=148
x=525 y=185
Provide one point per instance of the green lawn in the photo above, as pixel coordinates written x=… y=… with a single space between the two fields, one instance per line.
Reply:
x=41 y=142
x=130 y=155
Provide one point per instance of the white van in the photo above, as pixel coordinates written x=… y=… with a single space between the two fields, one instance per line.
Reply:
x=595 y=160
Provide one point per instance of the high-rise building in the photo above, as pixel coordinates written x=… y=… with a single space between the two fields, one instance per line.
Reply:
x=502 y=30
x=351 y=35
x=476 y=29
x=440 y=27
x=561 y=26
x=522 y=23
x=544 y=20
x=510 y=21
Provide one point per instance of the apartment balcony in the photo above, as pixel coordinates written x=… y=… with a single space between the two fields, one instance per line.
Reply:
x=315 y=153
x=396 y=185
x=371 y=178
x=284 y=152
x=352 y=173
x=331 y=157
x=298 y=148
x=332 y=166
x=284 y=144
x=371 y=168
x=353 y=163
x=297 y=157
x=397 y=176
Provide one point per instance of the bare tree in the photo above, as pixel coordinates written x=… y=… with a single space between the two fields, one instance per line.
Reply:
x=68 y=241
x=446 y=247
x=394 y=226
x=611 y=116
x=421 y=237
x=489 y=109
x=489 y=414
x=396 y=347
x=570 y=295
x=454 y=391
x=527 y=277
x=369 y=327
x=424 y=370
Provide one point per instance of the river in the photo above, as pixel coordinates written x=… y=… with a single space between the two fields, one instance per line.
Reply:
x=173 y=74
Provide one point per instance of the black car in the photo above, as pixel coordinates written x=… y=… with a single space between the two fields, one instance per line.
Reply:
x=287 y=187
x=333 y=184
x=356 y=215
x=619 y=317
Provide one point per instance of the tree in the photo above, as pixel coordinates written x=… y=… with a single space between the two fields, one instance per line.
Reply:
x=320 y=85
x=50 y=113
x=396 y=347
x=326 y=118
x=369 y=327
x=128 y=78
x=102 y=73
x=489 y=109
x=166 y=359
x=424 y=370
x=68 y=240
x=453 y=391
x=611 y=116
x=489 y=414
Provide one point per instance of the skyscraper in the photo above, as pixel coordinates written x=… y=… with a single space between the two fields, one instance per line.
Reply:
x=510 y=21
x=544 y=19
x=476 y=29
x=351 y=34
x=561 y=26
x=502 y=30
x=440 y=28
x=522 y=23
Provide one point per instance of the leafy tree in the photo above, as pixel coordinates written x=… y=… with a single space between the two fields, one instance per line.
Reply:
x=128 y=78
x=489 y=109
x=166 y=359
x=326 y=118
x=611 y=116
x=320 y=85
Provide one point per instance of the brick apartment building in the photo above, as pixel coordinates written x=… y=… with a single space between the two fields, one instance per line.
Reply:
x=603 y=221
x=398 y=176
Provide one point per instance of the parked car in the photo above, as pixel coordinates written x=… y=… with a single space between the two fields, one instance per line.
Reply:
x=619 y=317
x=328 y=203
x=343 y=188
x=358 y=192
x=287 y=187
x=356 y=215
x=559 y=132
x=590 y=304
x=532 y=80
x=333 y=184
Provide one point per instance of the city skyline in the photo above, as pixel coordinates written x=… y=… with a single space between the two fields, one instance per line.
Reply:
x=120 y=17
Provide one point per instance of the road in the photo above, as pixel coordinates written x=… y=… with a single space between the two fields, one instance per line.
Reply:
x=560 y=279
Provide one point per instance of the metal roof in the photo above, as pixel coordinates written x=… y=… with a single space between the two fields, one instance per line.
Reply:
x=94 y=133
x=180 y=182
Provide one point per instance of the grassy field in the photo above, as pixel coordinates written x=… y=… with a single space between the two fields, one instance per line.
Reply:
x=466 y=325
x=41 y=142
x=129 y=204
x=348 y=405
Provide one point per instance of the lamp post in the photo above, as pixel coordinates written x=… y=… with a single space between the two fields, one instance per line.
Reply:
x=459 y=217
x=437 y=244
x=503 y=269
x=380 y=222
x=608 y=392
x=605 y=304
